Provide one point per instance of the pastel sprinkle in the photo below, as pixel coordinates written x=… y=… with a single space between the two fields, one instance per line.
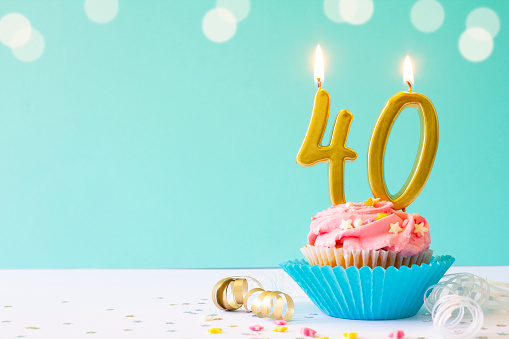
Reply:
x=214 y=330
x=380 y=216
x=350 y=335
x=280 y=322
x=307 y=332
x=370 y=202
x=280 y=329
x=322 y=338
x=207 y=318
x=357 y=222
x=346 y=224
x=420 y=229
x=396 y=334
x=256 y=328
x=395 y=228
x=349 y=204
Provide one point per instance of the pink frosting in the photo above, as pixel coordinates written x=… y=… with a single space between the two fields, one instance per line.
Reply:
x=373 y=234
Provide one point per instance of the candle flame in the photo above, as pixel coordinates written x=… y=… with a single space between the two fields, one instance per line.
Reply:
x=318 y=65
x=408 y=76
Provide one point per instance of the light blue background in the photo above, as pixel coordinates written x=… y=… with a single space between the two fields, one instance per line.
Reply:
x=141 y=143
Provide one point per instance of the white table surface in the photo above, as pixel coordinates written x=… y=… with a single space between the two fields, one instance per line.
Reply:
x=169 y=303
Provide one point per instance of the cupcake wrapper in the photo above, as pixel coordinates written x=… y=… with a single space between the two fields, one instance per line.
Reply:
x=366 y=293
x=318 y=255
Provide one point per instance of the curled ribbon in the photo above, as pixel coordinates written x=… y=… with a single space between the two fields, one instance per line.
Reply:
x=458 y=294
x=232 y=293
x=499 y=297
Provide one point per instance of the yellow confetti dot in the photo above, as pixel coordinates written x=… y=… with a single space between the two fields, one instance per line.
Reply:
x=322 y=338
x=380 y=216
x=280 y=329
x=214 y=330
x=350 y=335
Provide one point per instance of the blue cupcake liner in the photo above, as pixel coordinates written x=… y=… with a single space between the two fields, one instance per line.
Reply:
x=366 y=293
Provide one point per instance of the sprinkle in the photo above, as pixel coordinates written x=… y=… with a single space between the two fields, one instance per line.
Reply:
x=33 y=328
x=169 y=323
x=6 y=321
x=280 y=329
x=233 y=326
x=395 y=228
x=307 y=332
x=214 y=330
x=346 y=224
x=397 y=334
x=217 y=319
x=206 y=318
x=357 y=222
x=501 y=325
x=420 y=229
x=502 y=333
x=280 y=322
x=128 y=329
x=90 y=332
x=110 y=309
x=350 y=335
x=129 y=316
x=322 y=338
x=380 y=216
x=256 y=328
x=371 y=202
x=349 y=204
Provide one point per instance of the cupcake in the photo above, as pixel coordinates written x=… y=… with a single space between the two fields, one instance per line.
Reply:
x=367 y=261
x=367 y=234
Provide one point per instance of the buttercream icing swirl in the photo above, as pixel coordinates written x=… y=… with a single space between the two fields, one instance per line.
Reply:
x=374 y=234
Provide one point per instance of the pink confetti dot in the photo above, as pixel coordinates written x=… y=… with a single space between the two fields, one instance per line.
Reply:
x=307 y=332
x=256 y=328
x=397 y=334
x=280 y=322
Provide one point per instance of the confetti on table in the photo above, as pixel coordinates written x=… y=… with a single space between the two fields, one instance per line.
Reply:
x=90 y=332
x=110 y=309
x=280 y=322
x=7 y=306
x=350 y=335
x=129 y=316
x=307 y=332
x=502 y=333
x=169 y=323
x=396 y=334
x=128 y=329
x=207 y=318
x=256 y=328
x=214 y=330
x=322 y=338
x=137 y=321
x=33 y=328
x=280 y=329
x=67 y=324
x=501 y=325
x=6 y=321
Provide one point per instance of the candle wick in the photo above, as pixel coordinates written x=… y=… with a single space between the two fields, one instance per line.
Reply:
x=319 y=83
x=409 y=86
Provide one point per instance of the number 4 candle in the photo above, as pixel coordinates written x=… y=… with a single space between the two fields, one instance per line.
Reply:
x=336 y=153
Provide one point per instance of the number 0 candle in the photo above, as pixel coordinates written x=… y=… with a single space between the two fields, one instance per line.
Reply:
x=336 y=153
x=428 y=144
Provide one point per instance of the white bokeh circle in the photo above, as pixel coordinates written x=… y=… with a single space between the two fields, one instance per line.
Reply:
x=356 y=12
x=485 y=18
x=427 y=15
x=331 y=9
x=476 y=44
x=15 y=30
x=101 y=11
x=32 y=50
x=239 y=8
x=219 y=25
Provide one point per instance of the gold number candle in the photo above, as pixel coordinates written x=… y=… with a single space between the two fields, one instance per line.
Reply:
x=428 y=144
x=336 y=153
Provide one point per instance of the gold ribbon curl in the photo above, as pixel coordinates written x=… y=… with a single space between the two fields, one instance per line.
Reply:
x=232 y=293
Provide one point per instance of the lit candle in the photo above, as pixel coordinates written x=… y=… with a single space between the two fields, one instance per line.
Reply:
x=428 y=144
x=336 y=153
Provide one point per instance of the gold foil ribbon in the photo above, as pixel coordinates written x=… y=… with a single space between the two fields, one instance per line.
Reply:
x=232 y=293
